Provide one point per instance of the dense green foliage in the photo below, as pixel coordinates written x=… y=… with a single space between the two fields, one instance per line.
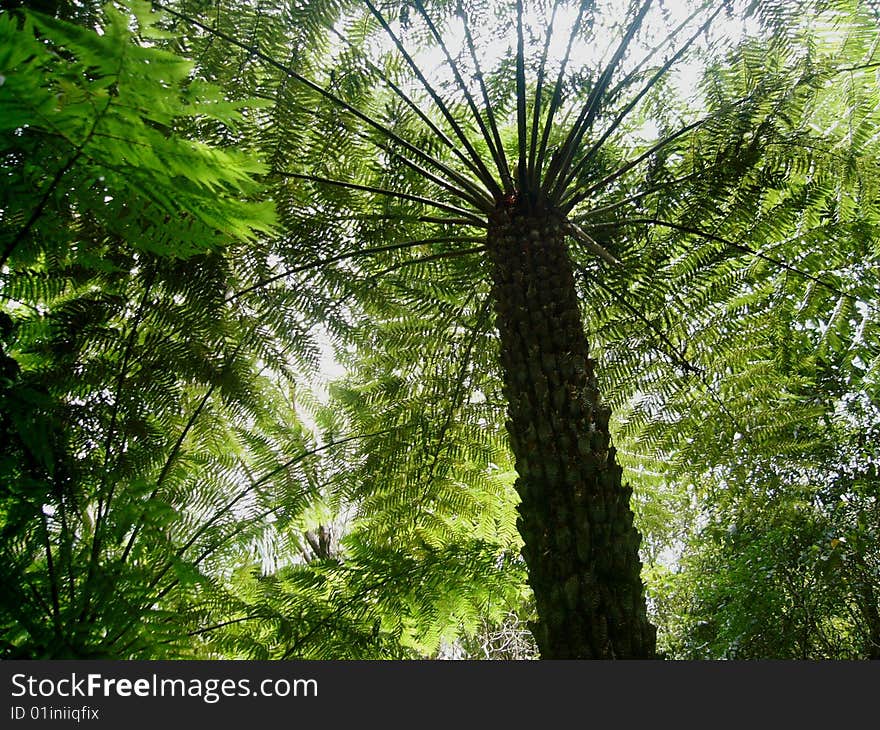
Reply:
x=176 y=480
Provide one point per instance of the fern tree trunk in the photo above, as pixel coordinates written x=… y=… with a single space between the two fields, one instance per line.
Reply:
x=581 y=546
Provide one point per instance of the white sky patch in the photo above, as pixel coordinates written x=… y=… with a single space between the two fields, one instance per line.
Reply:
x=331 y=369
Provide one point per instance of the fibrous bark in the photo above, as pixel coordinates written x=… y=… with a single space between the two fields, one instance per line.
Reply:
x=581 y=546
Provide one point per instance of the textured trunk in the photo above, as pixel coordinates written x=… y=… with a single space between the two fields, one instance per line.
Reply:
x=581 y=546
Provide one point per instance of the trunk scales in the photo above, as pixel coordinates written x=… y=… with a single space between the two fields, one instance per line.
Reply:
x=581 y=546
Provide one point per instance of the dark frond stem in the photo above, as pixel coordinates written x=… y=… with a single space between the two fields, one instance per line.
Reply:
x=241 y=526
x=480 y=199
x=521 y=125
x=575 y=198
x=536 y=110
x=487 y=136
x=475 y=195
x=79 y=148
x=732 y=244
x=329 y=96
x=631 y=198
x=24 y=615
x=722 y=406
x=166 y=467
x=860 y=67
x=625 y=81
x=578 y=233
x=40 y=207
x=490 y=114
x=259 y=482
x=556 y=99
x=554 y=185
x=455 y=400
x=672 y=352
x=472 y=217
x=631 y=105
x=485 y=176
x=402 y=218
x=103 y=506
x=354 y=601
x=475 y=190
x=373 y=278
x=426 y=259
x=66 y=539
x=53 y=577
x=357 y=254
x=197 y=632
x=222 y=625
x=224 y=510
x=669 y=349
x=218 y=9
x=439 y=133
